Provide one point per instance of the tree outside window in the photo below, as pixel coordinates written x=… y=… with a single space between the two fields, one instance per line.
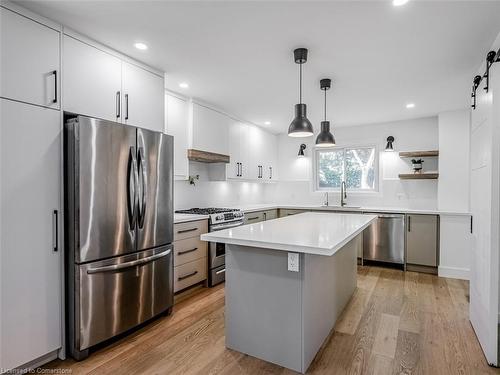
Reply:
x=356 y=166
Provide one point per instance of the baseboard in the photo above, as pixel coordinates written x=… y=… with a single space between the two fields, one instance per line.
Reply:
x=31 y=366
x=454 y=272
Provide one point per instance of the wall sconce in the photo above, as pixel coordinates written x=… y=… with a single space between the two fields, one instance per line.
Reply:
x=301 y=150
x=389 y=147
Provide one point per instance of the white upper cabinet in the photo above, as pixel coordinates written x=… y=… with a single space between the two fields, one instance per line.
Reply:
x=210 y=130
x=253 y=153
x=256 y=147
x=91 y=81
x=177 y=125
x=30 y=256
x=29 y=60
x=99 y=84
x=270 y=157
x=238 y=151
x=142 y=98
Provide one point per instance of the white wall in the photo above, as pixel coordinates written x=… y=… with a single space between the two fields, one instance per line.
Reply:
x=295 y=184
x=454 y=144
x=216 y=193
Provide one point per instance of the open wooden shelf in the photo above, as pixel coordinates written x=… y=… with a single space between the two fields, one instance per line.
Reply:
x=418 y=176
x=418 y=154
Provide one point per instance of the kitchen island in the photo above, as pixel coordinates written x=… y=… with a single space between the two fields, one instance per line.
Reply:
x=287 y=281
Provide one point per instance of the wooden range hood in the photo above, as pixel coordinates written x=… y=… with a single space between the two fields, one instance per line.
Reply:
x=207 y=157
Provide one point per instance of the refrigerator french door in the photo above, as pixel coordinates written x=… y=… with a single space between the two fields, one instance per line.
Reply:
x=119 y=228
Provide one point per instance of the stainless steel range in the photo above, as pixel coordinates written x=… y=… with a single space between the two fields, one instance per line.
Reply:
x=219 y=219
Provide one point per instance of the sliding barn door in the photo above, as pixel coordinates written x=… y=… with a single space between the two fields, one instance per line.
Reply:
x=485 y=204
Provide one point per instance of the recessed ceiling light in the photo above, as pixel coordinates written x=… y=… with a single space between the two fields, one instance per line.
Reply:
x=410 y=105
x=398 y=3
x=267 y=122
x=183 y=85
x=141 y=46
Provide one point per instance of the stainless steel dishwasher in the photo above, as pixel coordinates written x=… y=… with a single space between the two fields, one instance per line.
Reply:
x=384 y=240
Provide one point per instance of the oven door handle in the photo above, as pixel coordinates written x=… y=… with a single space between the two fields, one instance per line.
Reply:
x=214 y=228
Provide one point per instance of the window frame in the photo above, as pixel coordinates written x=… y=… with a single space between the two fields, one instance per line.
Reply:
x=376 y=173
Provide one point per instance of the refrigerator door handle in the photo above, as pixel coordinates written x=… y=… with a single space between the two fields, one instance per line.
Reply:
x=132 y=188
x=134 y=263
x=143 y=187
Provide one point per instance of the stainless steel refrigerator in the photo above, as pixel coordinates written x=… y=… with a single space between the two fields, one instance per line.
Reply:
x=119 y=229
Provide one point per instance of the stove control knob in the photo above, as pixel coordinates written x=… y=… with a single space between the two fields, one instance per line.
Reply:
x=219 y=217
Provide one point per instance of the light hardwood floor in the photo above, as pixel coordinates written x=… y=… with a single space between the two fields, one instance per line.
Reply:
x=396 y=323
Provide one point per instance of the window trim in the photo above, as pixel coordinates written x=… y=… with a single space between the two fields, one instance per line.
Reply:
x=376 y=187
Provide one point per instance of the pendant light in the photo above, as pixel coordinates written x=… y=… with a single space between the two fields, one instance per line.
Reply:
x=300 y=126
x=325 y=137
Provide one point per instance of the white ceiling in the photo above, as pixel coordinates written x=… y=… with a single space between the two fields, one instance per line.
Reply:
x=238 y=55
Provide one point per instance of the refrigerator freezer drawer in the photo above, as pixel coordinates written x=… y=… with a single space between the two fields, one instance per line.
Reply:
x=117 y=294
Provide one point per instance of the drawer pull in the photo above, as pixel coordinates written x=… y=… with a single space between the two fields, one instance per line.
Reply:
x=221 y=271
x=187 y=251
x=253 y=218
x=187 y=276
x=187 y=230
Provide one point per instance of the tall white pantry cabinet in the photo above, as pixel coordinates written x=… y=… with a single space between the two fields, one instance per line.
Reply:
x=34 y=90
x=30 y=190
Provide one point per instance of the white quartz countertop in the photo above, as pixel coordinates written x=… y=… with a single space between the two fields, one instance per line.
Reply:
x=270 y=206
x=182 y=218
x=319 y=233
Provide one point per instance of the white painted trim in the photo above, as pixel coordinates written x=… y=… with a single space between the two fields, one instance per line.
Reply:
x=212 y=107
x=454 y=272
x=32 y=365
x=93 y=43
x=29 y=14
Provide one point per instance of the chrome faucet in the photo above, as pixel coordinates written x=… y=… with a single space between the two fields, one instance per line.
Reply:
x=343 y=194
x=325 y=203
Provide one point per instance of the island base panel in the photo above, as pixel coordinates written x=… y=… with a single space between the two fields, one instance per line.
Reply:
x=280 y=316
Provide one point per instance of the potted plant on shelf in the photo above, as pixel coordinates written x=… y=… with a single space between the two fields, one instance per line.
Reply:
x=417 y=165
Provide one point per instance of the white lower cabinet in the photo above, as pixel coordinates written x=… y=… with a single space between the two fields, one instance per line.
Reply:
x=30 y=274
x=29 y=60
x=177 y=125
x=142 y=97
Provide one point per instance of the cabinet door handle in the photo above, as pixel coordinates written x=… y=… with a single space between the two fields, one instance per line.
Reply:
x=241 y=169
x=118 y=104
x=55 y=86
x=126 y=106
x=409 y=223
x=55 y=230
x=187 y=251
x=270 y=173
x=187 y=276
x=471 y=223
x=186 y=230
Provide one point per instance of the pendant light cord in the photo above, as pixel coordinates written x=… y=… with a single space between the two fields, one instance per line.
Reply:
x=325 y=105
x=300 y=83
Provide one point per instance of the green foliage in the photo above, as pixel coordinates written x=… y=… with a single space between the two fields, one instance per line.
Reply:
x=355 y=166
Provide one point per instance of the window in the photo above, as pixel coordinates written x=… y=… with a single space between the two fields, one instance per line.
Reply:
x=357 y=166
